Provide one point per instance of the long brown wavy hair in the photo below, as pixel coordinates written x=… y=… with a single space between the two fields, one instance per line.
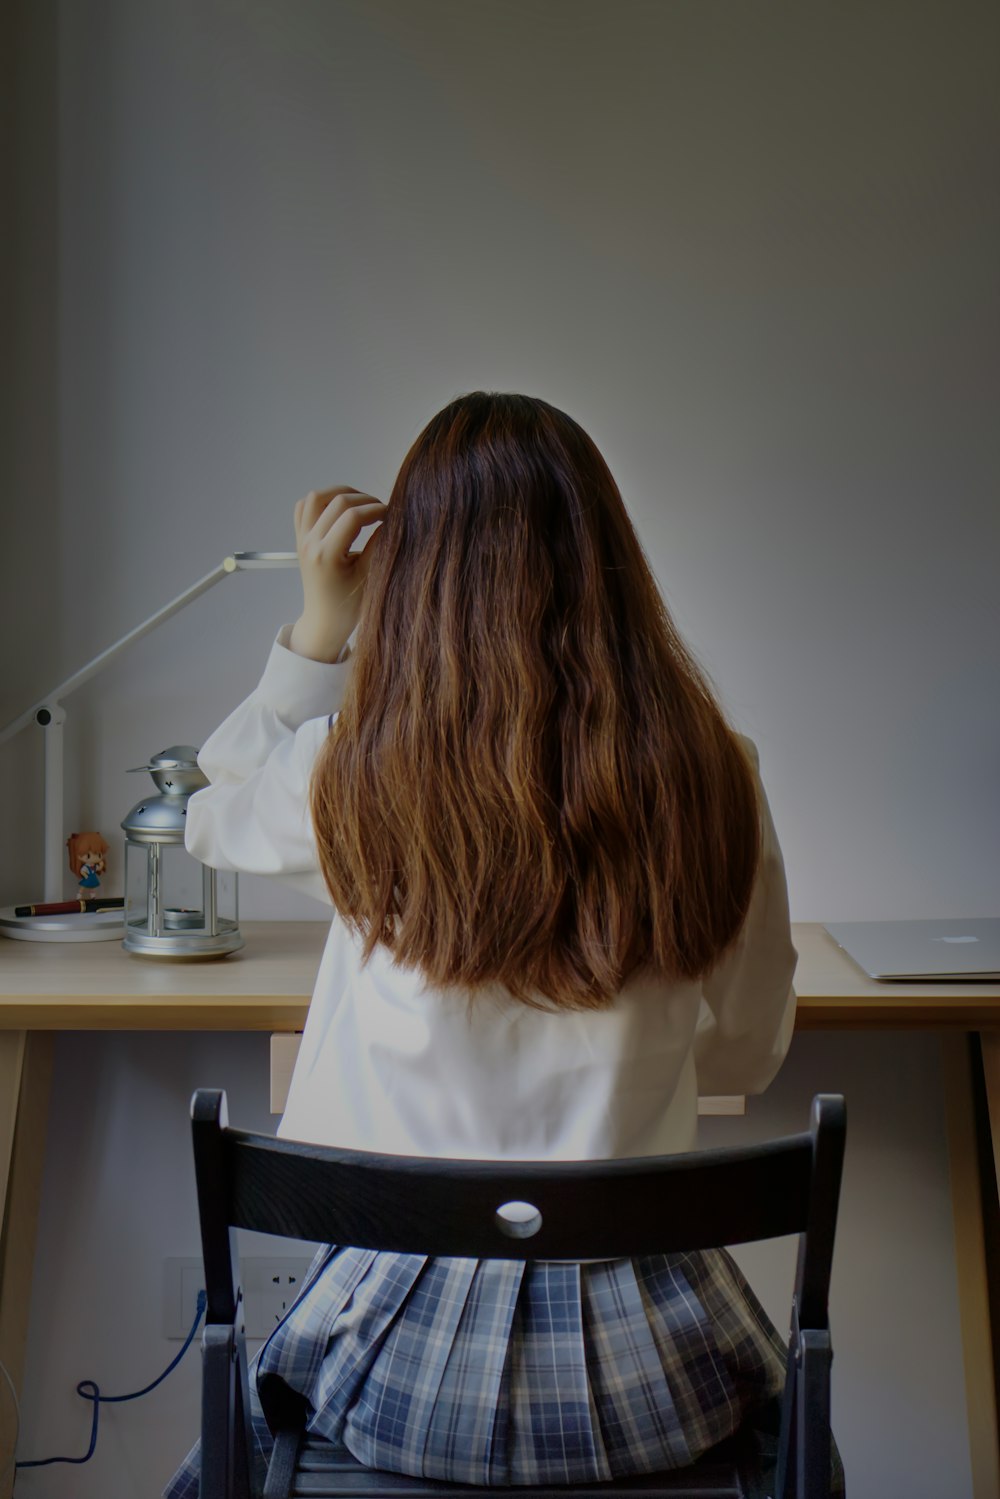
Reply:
x=530 y=782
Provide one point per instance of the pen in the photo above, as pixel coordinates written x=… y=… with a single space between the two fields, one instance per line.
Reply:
x=58 y=907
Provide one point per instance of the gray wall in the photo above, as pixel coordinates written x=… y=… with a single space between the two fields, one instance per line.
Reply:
x=754 y=250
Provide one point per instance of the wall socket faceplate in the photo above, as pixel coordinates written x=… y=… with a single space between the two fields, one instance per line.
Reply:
x=270 y=1285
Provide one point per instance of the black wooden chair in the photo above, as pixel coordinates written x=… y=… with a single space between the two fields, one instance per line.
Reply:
x=586 y=1210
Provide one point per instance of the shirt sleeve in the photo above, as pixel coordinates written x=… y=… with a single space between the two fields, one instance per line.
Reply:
x=747 y=1010
x=254 y=816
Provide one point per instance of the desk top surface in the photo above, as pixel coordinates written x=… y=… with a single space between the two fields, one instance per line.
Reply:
x=267 y=986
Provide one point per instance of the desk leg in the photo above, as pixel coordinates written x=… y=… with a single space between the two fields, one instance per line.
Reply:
x=25 y=1079
x=973 y=1195
x=989 y=1042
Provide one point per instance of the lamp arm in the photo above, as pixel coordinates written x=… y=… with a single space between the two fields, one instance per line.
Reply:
x=107 y=656
x=48 y=713
x=238 y=562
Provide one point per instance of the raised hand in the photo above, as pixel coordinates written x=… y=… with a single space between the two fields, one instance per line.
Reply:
x=327 y=523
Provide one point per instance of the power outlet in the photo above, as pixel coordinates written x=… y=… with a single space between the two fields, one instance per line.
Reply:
x=270 y=1285
x=269 y=1288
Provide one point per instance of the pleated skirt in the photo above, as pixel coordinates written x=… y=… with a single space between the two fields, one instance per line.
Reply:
x=499 y=1372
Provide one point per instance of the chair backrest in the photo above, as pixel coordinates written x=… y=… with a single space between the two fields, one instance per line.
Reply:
x=519 y=1210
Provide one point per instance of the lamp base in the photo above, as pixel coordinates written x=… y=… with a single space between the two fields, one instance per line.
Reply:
x=70 y=926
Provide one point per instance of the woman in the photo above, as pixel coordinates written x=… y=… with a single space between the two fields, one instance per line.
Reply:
x=560 y=914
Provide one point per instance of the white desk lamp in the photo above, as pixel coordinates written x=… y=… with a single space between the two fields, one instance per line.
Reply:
x=50 y=715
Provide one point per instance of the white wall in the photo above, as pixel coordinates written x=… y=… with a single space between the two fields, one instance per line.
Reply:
x=753 y=250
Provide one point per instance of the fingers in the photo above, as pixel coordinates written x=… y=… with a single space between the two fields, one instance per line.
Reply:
x=317 y=500
x=322 y=508
x=347 y=522
x=336 y=516
x=309 y=509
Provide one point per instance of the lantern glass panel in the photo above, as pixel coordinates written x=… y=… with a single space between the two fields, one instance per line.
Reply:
x=182 y=896
x=136 y=887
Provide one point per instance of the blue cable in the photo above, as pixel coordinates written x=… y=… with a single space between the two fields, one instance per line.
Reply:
x=88 y=1390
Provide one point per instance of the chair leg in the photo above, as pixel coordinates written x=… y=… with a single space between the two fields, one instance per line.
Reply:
x=242 y=1423
x=813 y=1415
x=225 y=1409
x=785 y=1472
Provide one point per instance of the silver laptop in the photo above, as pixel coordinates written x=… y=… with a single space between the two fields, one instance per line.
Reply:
x=938 y=951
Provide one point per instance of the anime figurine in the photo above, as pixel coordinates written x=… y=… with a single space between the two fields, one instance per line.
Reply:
x=86 y=858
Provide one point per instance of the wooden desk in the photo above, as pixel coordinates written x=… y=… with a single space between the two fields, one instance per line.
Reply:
x=46 y=988
x=266 y=986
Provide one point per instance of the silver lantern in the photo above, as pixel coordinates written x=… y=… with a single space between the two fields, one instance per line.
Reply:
x=175 y=907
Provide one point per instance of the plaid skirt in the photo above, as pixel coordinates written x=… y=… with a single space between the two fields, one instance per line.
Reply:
x=500 y=1372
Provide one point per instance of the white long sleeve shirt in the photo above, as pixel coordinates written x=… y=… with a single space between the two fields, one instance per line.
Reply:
x=389 y=1064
